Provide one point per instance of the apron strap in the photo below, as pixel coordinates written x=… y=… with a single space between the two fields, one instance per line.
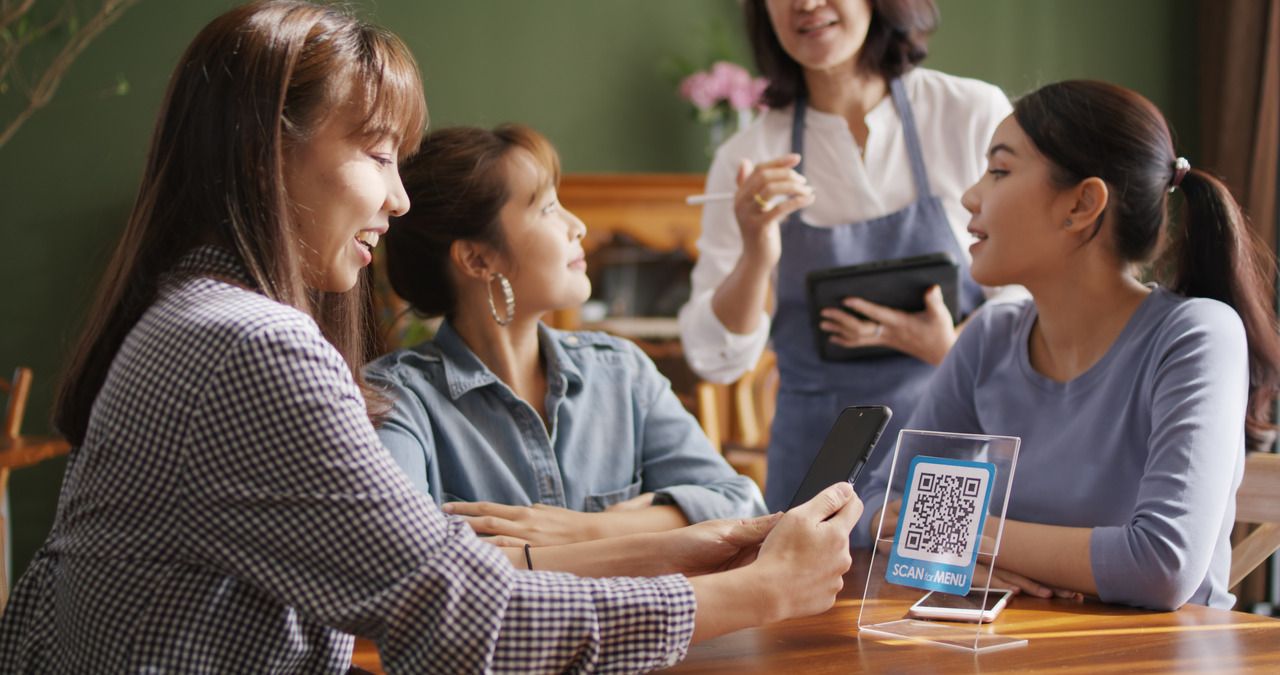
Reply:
x=909 y=134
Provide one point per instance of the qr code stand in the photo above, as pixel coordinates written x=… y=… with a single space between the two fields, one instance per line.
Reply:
x=954 y=489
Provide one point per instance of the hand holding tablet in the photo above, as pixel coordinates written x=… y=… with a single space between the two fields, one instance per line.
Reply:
x=898 y=284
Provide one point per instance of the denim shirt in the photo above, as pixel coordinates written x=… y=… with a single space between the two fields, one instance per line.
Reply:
x=616 y=430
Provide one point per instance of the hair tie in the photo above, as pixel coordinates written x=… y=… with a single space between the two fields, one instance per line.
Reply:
x=1180 y=168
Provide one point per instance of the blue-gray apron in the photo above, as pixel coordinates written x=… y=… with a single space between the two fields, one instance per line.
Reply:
x=812 y=391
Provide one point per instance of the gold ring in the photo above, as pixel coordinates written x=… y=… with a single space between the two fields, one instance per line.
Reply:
x=761 y=201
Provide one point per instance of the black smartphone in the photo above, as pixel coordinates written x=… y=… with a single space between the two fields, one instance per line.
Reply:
x=845 y=451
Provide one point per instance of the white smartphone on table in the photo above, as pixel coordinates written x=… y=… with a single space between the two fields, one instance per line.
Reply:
x=969 y=607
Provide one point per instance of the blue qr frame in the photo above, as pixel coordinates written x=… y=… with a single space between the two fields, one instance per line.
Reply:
x=937 y=576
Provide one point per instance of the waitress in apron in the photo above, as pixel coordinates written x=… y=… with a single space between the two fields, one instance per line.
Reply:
x=870 y=156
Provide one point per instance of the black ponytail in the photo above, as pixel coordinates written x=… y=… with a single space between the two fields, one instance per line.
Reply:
x=1088 y=129
x=1216 y=254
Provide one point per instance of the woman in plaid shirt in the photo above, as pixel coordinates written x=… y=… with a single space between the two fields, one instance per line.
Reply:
x=228 y=507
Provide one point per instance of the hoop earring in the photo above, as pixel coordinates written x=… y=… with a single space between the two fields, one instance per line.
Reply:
x=507 y=294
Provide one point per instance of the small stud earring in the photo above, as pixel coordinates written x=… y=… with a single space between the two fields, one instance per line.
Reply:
x=1067 y=223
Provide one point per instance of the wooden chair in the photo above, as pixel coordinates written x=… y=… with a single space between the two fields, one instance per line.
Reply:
x=18 y=451
x=17 y=390
x=737 y=421
x=1257 y=502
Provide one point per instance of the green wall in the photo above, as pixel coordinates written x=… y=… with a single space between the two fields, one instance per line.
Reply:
x=592 y=74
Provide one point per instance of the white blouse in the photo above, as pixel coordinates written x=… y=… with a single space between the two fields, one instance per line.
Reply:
x=955 y=119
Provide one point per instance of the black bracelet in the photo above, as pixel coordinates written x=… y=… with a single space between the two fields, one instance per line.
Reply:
x=528 y=559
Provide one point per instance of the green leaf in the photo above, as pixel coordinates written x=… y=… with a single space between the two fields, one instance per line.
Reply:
x=4 y=87
x=23 y=24
x=122 y=85
x=73 y=24
x=6 y=35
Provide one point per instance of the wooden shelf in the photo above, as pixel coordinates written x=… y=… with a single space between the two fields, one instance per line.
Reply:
x=647 y=207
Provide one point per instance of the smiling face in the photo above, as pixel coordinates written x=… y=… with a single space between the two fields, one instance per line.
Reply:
x=1018 y=213
x=342 y=189
x=544 y=259
x=821 y=35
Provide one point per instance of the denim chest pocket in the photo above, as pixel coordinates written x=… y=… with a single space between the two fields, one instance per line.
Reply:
x=599 y=502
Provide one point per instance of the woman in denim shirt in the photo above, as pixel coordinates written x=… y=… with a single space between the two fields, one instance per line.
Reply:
x=533 y=434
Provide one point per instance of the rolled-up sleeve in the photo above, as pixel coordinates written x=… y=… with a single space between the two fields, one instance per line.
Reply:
x=291 y=491
x=1161 y=556
x=714 y=352
x=678 y=462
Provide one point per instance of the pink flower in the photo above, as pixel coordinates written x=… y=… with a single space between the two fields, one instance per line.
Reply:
x=724 y=82
x=700 y=90
x=729 y=77
x=748 y=96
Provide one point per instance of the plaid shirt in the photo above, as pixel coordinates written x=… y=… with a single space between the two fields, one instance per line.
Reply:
x=231 y=510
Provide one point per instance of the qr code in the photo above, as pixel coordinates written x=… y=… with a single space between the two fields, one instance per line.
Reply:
x=943 y=512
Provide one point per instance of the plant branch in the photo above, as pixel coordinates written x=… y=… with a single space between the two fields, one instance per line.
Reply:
x=10 y=16
x=48 y=82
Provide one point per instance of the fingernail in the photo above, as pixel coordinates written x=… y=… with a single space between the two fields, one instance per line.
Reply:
x=845 y=489
x=447 y=508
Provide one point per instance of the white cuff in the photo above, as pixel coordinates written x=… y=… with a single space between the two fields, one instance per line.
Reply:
x=714 y=352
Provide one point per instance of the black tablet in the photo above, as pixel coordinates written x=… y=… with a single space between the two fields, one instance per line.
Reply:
x=900 y=284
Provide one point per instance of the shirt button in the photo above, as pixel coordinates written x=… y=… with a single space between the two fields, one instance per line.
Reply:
x=572 y=339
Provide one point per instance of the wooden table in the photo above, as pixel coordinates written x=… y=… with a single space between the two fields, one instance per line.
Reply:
x=1062 y=636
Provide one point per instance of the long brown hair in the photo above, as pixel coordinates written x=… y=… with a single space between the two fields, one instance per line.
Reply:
x=1087 y=128
x=457 y=183
x=897 y=40
x=255 y=81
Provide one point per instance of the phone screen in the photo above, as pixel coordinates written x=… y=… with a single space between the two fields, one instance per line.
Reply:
x=845 y=450
x=969 y=602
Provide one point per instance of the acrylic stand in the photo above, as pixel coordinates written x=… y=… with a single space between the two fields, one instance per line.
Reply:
x=947 y=479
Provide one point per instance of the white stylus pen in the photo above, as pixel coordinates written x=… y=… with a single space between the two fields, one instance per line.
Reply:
x=694 y=200
x=697 y=200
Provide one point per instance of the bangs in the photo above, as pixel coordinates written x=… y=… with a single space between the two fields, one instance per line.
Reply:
x=394 y=103
x=544 y=154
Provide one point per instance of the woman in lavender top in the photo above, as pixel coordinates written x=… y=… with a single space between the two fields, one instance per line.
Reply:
x=1135 y=402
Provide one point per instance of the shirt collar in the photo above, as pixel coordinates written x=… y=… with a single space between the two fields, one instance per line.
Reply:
x=562 y=371
x=464 y=371
x=213 y=261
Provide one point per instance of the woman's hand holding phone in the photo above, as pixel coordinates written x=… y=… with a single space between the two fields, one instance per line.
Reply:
x=798 y=571
x=803 y=560
x=713 y=545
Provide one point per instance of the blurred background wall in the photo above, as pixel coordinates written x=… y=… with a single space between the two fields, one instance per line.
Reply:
x=597 y=76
